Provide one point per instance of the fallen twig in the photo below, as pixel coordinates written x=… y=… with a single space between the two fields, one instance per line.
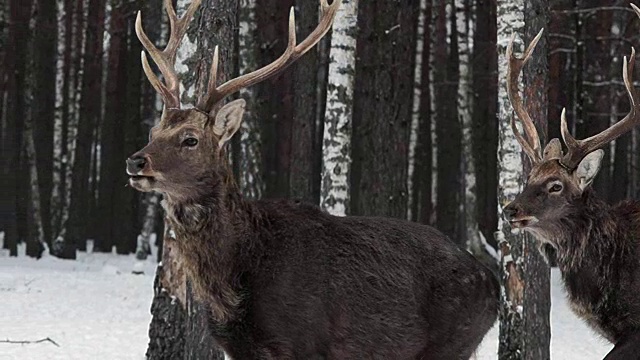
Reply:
x=7 y=341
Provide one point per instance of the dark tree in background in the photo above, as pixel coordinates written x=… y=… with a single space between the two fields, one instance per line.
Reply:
x=71 y=87
x=382 y=107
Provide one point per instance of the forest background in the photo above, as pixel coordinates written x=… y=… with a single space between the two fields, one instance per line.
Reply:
x=400 y=111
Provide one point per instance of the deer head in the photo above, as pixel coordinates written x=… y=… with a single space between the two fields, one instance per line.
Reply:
x=185 y=155
x=558 y=179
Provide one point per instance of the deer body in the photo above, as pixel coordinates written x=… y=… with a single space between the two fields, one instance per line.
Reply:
x=597 y=245
x=284 y=280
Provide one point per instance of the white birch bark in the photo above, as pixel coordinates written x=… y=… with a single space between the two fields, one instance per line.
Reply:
x=415 y=117
x=465 y=105
x=336 y=144
x=251 y=183
x=510 y=21
x=57 y=202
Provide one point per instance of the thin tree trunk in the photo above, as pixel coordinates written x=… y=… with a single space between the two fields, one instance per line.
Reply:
x=423 y=164
x=413 y=202
x=382 y=107
x=45 y=42
x=336 y=149
x=524 y=316
x=249 y=152
x=35 y=240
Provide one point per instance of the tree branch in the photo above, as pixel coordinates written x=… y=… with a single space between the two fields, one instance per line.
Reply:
x=7 y=341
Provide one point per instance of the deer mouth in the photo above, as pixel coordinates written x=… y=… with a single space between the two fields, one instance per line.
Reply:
x=141 y=182
x=522 y=222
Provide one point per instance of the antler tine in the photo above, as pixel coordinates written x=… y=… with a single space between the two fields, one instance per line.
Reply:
x=578 y=149
x=165 y=59
x=530 y=145
x=292 y=53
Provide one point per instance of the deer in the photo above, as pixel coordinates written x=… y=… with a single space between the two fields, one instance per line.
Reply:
x=282 y=279
x=597 y=245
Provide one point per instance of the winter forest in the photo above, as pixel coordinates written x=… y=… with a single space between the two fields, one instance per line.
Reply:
x=400 y=111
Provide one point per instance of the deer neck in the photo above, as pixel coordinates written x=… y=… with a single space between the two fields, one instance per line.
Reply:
x=589 y=233
x=210 y=233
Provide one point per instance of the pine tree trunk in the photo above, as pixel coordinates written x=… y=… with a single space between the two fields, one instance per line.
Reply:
x=484 y=117
x=111 y=135
x=382 y=107
x=12 y=144
x=275 y=104
x=336 y=149
x=45 y=42
x=127 y=202
x=448 y=127
x=90 y=110
x=524 y=317
x=304 y=150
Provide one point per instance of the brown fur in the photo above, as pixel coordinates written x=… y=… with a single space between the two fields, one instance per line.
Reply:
x=597 y=249
x=284 y=280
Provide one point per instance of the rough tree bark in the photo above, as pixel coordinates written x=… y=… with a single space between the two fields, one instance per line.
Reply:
x=303 y=173
x=524 y=314
x=214 y=24
x=274 y=108
x=382 y=107
x=485 y=122
x=114 y=120
x=448 y=127
x=336 y=149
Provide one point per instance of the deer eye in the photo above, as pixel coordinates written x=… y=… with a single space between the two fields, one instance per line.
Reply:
x=190 y=142
x=555 y=188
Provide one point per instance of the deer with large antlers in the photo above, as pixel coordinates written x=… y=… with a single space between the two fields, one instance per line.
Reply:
x=597 y=245
x=282 y=279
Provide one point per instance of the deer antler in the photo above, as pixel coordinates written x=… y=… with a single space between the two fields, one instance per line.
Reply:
x=530 y=145
x=166 y=59
x=293 y=52
x=578 y=149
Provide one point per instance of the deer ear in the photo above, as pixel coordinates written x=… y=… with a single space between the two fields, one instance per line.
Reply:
x=588 y=168
x=228 y=120
x=553 y=150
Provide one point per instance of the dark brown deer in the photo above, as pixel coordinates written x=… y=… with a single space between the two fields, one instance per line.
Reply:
x=282 y=279
x=597 y=245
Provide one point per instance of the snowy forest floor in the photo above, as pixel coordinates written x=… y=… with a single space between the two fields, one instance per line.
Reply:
x=95 y=308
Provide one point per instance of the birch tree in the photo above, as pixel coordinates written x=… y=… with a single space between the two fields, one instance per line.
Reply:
x=525 y=305
x=412 y=206
x=336 y=144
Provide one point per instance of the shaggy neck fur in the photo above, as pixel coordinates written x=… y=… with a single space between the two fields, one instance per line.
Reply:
x=590 y=237
x=214 y=234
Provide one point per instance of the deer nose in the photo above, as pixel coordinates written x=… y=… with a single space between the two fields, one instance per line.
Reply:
x=510 y=211
x=135 y=164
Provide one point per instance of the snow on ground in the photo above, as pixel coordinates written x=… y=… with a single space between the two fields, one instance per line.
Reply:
x=94 y=308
